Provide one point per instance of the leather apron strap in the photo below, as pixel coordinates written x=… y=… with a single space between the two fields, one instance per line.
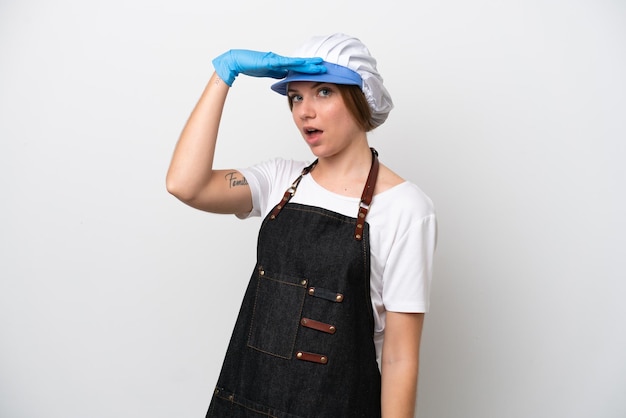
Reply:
x=364 y=204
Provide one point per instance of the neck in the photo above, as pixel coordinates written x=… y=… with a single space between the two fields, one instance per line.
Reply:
x=354 y=159
x=344 y=173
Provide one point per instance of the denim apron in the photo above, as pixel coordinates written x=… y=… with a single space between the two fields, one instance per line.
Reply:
x=302 y=346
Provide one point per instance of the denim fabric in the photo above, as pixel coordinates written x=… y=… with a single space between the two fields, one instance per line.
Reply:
x=261 y=376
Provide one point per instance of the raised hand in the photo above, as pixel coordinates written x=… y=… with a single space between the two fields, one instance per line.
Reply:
x=262 y=64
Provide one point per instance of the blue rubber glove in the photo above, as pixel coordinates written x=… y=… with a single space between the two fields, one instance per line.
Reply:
x=262 y=64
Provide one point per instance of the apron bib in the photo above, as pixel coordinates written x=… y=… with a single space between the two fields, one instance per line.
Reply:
x=302 y=346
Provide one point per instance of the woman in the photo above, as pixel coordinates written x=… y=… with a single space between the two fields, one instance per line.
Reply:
x=331 y=321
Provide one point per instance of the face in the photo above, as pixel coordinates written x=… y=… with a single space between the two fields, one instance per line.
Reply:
x=321 y=116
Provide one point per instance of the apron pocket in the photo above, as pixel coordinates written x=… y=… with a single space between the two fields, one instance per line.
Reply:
x=276 y=315
x=225 y=404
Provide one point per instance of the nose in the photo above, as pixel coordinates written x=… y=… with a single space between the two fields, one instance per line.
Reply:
x=306 y=109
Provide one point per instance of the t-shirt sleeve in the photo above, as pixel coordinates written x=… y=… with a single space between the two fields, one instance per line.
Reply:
x=267 y=180
x=408 y=274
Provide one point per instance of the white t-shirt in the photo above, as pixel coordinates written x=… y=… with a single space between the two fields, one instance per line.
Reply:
x=403 y=233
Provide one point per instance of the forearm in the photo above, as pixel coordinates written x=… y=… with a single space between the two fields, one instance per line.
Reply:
x=192 y=161
x=399 y=388
x=400 y=364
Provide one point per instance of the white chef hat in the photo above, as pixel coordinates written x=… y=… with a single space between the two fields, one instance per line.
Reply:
x=347 y=61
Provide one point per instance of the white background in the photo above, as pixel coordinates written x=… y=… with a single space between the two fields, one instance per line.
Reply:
x=116 y=300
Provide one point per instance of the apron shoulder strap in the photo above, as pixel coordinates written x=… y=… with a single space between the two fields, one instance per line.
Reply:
x=366 y=197
x=364 y=204
x=291 y=190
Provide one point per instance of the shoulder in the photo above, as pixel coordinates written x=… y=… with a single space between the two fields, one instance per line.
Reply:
x=401 y=196
x=387 y=179
x=277 y=165
x=274 y=170
x=269 y=179
x=405 y=199
x=402 y=208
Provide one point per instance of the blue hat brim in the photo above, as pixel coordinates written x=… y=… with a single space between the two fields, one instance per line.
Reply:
x=336 y=74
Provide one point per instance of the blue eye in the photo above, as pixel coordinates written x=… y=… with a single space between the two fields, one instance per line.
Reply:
x=324 y=91
x=295 y=98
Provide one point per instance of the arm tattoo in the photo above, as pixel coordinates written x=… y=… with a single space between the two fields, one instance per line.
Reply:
x=234 y=181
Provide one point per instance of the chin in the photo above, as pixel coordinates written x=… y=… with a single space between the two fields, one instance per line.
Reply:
x=318 y=150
